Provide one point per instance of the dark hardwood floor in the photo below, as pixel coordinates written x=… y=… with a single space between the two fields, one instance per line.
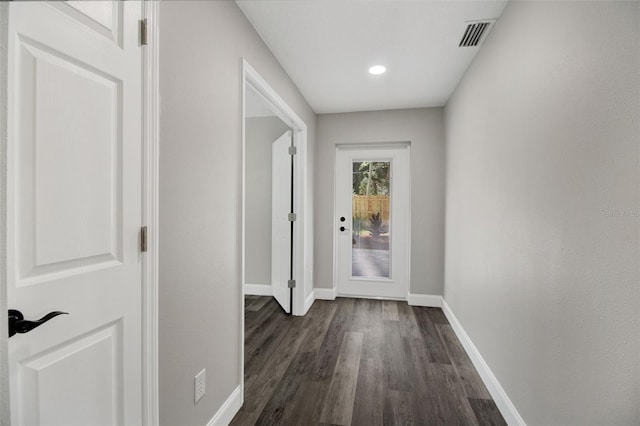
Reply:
x=358 y=362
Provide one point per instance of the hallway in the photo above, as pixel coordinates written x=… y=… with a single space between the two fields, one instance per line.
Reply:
x=358 y=362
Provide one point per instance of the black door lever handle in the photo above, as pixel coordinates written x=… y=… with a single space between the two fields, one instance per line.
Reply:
x=17 y=323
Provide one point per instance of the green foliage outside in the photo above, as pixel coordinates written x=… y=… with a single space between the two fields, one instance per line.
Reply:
x=371 y=177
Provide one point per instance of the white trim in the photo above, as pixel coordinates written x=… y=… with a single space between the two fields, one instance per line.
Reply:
x=366 y=296
x=307 y=303
x=271 y=97
x=243 y=236
x=352 y=146
x=506 y=407
x=258 y=289
x=429 y=300
x=229 y=409
x=325 y=293
x=151 y=125
x=409 y=221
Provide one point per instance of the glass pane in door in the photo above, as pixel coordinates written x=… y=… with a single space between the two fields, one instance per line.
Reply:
x=370 y=256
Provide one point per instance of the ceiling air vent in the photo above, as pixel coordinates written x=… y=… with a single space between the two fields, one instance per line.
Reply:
x=475 y=33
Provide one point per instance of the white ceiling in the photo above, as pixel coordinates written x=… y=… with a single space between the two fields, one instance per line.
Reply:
x=327 y=47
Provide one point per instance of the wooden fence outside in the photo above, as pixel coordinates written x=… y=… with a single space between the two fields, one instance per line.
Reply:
x=366 y=205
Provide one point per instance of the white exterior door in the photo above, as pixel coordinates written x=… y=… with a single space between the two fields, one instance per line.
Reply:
x=280 y=226
x=372 y=221
x=74 y=211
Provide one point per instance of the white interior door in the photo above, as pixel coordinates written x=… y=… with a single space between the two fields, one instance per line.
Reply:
x=372 y=221
x=74 y=211
x=280 y=225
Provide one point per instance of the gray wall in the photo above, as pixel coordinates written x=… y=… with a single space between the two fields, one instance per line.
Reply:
x=542 y=247
x=201 y=50
x=260 y=133
x=425 y=130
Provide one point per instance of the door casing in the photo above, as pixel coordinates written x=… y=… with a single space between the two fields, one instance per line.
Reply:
x=150 y=126
x=407 y=263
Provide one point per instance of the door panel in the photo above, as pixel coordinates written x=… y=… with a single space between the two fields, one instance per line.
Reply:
x=104 y=17
x=281 y=227
x=74 y=211
x=91 y=366
x=69 y=162
x=372 y=223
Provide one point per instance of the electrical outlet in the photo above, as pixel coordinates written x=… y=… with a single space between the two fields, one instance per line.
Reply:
x=200 y=385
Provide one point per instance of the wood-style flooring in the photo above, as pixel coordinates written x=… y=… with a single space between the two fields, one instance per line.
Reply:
x=358 y=362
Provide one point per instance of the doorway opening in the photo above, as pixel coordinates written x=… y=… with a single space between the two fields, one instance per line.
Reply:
x=268 y=197
x=276 y=210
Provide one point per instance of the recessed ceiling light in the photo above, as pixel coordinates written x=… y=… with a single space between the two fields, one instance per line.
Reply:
x=377 y=69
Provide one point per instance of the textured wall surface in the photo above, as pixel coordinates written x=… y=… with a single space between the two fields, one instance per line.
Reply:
x=542 y=226
x=424 y=128
x=260 y=133
x=201 y=49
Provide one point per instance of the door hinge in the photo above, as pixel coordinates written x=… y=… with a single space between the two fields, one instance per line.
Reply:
x=143 y=32
x=292 y=283
x=293 y=150
x=143 y=239
x=292 y=217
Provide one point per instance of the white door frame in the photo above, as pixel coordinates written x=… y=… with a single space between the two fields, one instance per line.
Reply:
x=303 y=234
x=149 y=211
x=151 y=180
x=407 y=263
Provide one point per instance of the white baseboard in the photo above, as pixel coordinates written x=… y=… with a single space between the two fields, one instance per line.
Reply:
x=229 y=409
x=429 y=300
x=258 y=290
x=307 y=303
x=506 y=407
x=325 y=293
